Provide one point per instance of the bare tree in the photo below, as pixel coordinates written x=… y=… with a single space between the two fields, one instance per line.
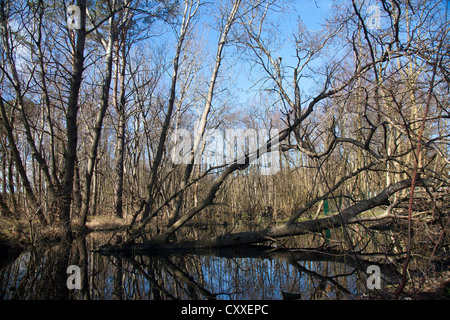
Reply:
x=361 y=112
x=337 y=85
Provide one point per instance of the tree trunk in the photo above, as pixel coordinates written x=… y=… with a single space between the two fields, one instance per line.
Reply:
x=93 y=151
x=119 y=165
x=31 y=197
x=202 y=125
x=70 y=154
x=120 y=137
x=188 y=14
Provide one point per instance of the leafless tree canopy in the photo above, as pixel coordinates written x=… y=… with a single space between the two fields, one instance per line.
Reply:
x=357 y=115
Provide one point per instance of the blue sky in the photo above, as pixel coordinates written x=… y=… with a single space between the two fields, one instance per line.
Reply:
x=235 y=71
x=312 y=13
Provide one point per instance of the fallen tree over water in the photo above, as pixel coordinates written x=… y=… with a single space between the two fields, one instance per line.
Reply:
x=290 y=228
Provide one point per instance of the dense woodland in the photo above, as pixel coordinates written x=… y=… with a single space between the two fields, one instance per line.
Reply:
x=359 y=110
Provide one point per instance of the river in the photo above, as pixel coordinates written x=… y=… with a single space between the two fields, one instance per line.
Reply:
x=315 y=269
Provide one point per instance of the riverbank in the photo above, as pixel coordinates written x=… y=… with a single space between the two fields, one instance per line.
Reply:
x=18 y=234
x=12 y=242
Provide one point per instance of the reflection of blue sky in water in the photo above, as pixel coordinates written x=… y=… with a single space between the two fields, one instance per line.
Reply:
x=231 y=278
x=252 y=278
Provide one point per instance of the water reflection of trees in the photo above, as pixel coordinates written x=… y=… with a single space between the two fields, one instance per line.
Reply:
x=37 y=274
x=239 y=273
x=251 y=274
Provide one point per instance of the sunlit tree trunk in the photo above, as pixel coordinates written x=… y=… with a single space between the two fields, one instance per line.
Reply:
x=190 y=10
x=98 y=126
x=120 y=141
x=200 y=130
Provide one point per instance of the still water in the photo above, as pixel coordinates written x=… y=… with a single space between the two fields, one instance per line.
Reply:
x=238 y=274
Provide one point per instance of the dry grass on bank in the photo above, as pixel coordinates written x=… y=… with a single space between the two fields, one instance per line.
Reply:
x=23 y=232
x=105 y=223
x=18 y=232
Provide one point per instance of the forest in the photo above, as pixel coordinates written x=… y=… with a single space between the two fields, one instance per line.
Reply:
x=231 y=128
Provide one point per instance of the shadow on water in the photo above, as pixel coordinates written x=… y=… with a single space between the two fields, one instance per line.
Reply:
x=252 y=272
